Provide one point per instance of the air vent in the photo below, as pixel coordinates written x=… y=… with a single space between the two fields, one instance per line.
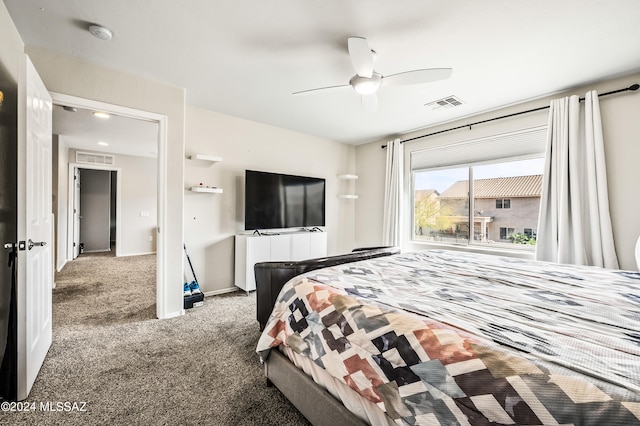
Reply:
x=445 y=103
x=92 y=158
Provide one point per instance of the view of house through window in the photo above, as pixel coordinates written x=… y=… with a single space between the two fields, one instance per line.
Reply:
x=503 y=211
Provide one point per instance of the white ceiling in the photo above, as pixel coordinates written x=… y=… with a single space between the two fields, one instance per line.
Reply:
x=246 y=57
x=115 y=134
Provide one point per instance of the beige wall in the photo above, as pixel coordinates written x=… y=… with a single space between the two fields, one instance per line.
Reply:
x=621 y=129
x=73 y=77
x=212 y=220
x=11 y=45
x=138 y=194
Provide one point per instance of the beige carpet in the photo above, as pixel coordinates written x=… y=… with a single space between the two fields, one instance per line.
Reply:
x=129 y=368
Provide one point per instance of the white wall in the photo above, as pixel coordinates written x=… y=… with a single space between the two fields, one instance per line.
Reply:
x=69 y=76
x=621 y=128
x=212 y=220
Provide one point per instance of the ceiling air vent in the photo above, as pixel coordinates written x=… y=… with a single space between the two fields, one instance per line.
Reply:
x=92 y=158
x=445 y=103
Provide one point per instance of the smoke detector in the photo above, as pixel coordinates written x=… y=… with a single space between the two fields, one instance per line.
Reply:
x=101 y=32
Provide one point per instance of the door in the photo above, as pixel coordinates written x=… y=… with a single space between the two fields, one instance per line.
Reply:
x=35 y=254
x=76 y=212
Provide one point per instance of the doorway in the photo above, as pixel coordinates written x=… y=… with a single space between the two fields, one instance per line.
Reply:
x=94 y=202
x=160 y=192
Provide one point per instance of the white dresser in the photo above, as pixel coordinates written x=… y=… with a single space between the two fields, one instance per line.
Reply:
x=292 y=246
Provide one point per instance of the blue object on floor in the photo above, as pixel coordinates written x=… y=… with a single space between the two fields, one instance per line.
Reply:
x=187 y=290
x=195 y=288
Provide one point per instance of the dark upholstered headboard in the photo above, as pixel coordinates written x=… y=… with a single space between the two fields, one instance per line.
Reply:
x=272 y=276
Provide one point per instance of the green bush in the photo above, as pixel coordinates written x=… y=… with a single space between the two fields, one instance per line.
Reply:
x=518 y=238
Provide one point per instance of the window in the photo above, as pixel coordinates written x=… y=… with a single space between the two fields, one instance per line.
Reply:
x=480 y=192
x=505 y=233
x=503 y=203
x=442 y=205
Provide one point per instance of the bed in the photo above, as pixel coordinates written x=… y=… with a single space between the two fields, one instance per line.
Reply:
x=443 y=337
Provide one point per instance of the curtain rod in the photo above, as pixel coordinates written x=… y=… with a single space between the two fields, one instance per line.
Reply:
x=633 y=87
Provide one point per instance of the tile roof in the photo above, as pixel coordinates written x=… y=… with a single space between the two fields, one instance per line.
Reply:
x=425 y=193
x=514 y=186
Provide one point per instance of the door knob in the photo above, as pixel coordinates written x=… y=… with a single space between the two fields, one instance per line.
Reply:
x=32 y=244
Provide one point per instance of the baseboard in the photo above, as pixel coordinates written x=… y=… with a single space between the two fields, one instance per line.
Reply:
x=135 y=254
x=173 y=314
x=59 y=268
x=96 y=251
x=223 y=291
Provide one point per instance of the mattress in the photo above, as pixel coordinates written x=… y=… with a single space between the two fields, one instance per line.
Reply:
x=439 y=337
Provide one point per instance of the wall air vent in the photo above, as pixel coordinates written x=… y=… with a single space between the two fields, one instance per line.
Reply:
x=445 y=103
x=93 y=158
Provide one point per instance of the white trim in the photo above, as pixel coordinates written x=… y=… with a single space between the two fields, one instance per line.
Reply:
x=174 y=314
x=223 y=291
x=162 y=120
x=61 y=267
x=135 y=254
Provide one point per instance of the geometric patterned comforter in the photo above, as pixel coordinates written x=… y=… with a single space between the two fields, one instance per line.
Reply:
x=442 y=337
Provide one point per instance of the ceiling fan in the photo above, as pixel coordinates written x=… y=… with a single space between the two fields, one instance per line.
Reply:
x=367 y=81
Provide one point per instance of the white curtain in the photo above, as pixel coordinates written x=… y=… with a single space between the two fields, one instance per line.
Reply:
x=575 y=224
x=392 y=219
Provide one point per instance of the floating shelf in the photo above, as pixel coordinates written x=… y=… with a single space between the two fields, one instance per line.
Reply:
x=205 y=189
x=348 y=177
x=211 y=158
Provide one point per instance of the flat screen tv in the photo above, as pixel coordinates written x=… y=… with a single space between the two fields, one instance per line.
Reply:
x=279 y=201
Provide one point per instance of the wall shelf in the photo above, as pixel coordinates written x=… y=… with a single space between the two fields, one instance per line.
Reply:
x=204 y=157
x=349 y=177
x=205 y=189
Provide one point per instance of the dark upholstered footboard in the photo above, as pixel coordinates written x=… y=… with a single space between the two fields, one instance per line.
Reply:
x=272 y=276
x=314 y=402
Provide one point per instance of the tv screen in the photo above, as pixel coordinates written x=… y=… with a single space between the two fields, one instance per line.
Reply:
x=278 y=201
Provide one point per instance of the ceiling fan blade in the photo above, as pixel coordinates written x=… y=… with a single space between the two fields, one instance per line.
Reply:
x=361 y=56
x=319 y=89
x=417 y=76
x=370 y=102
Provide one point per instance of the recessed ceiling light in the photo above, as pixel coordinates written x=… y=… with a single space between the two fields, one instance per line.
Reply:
x=101 y=114
x=101 y=32
x=103 y=143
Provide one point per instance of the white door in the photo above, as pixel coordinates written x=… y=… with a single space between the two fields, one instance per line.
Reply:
x=35 y=265
x=76 y=212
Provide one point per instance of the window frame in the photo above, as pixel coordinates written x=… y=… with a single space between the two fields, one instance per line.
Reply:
x=503 y=202
x=515 y=249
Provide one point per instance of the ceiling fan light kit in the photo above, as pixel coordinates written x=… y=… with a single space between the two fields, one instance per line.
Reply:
x=367 y=81
x=364 y=85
